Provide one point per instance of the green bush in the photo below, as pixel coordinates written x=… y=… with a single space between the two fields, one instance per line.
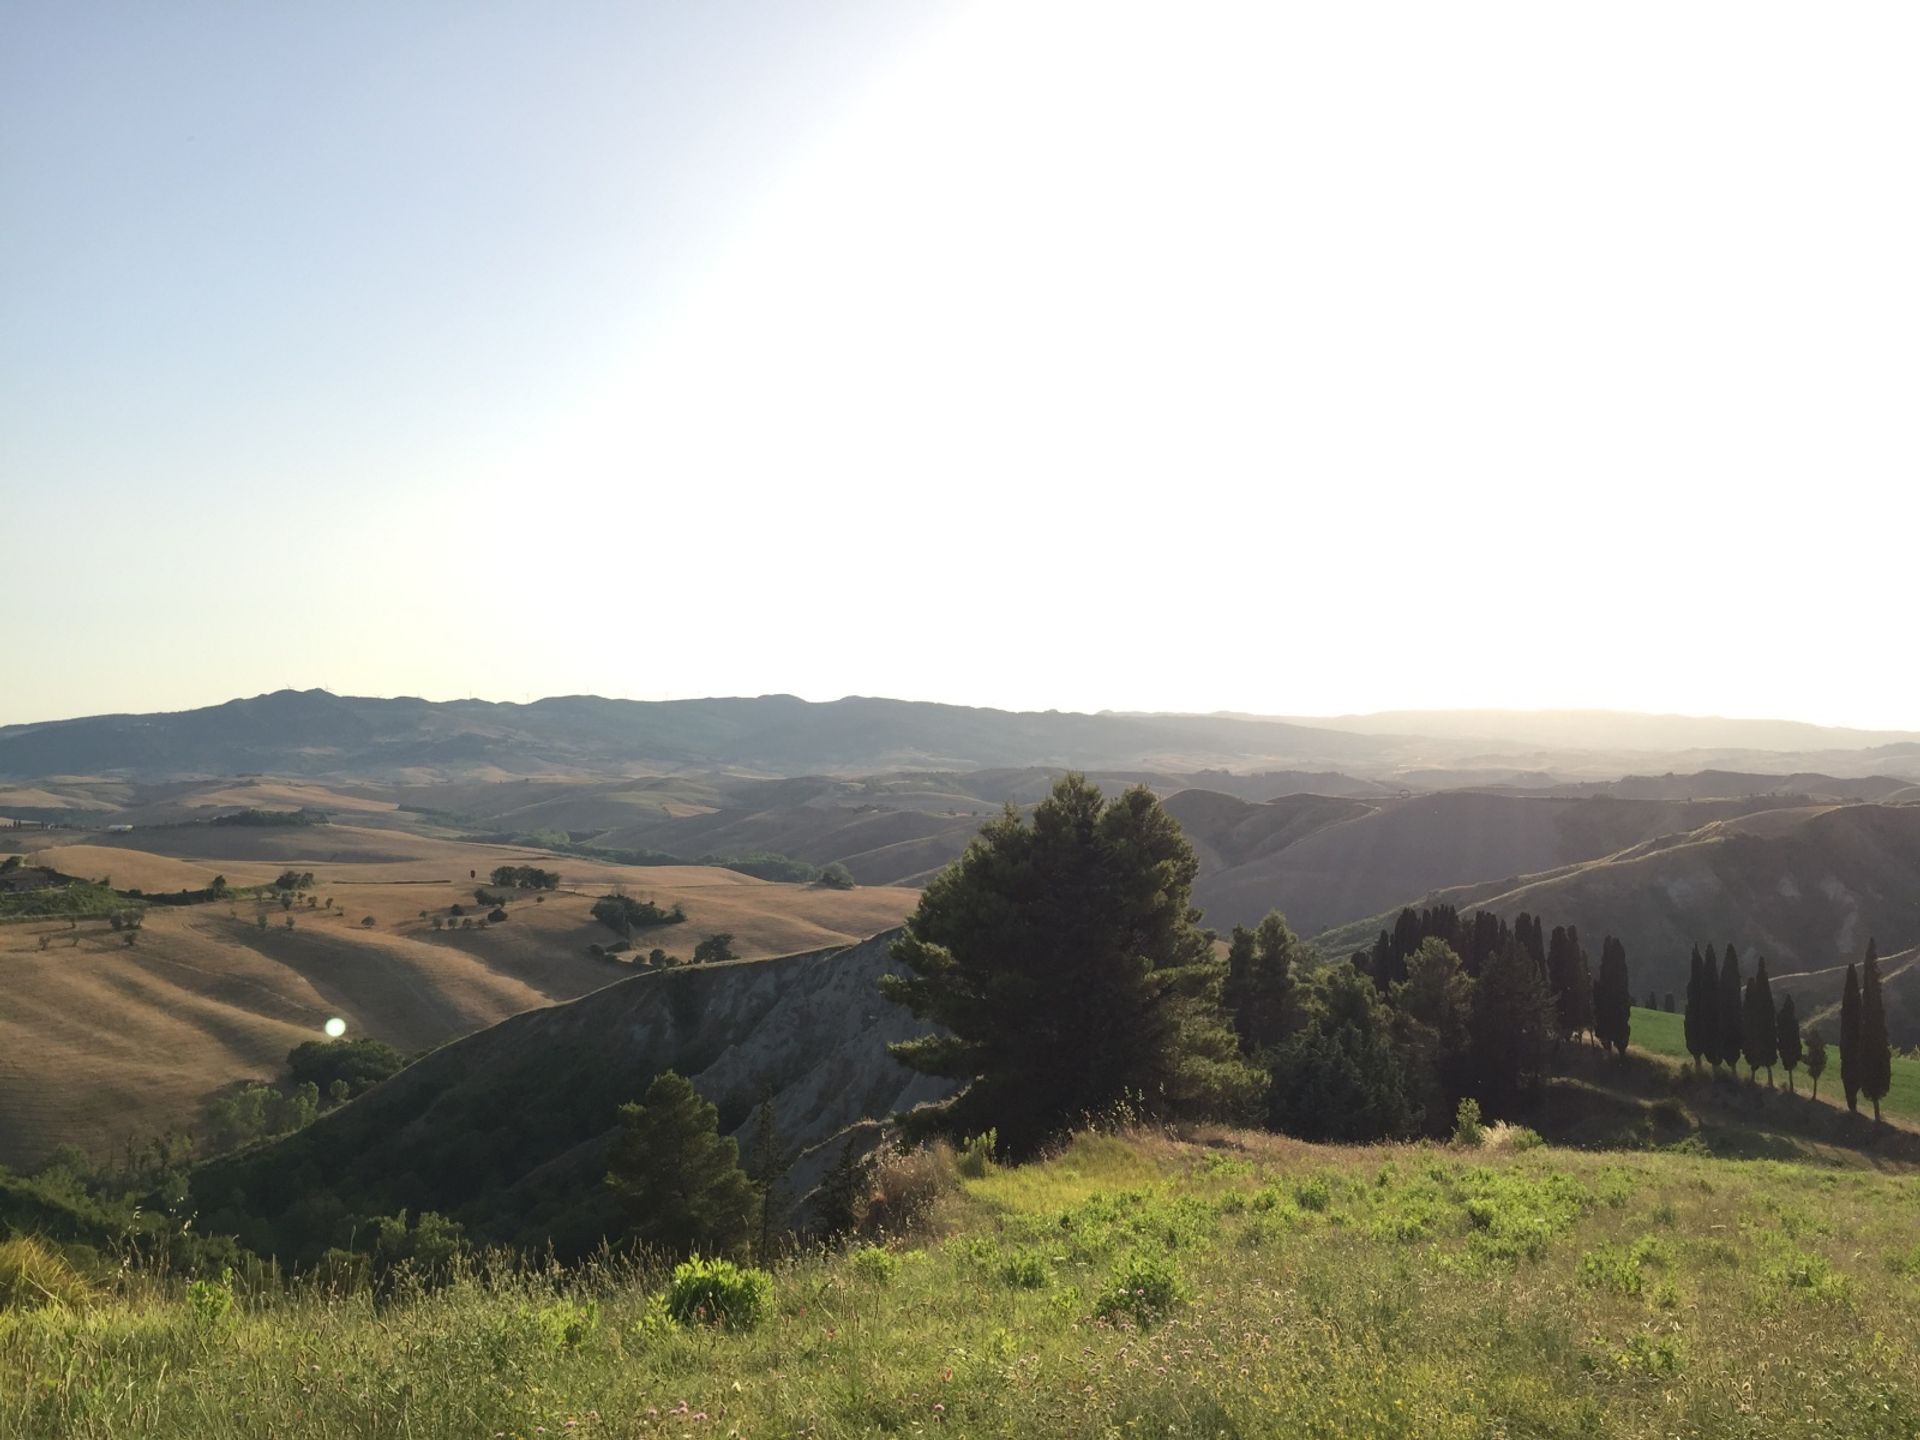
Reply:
x=873 y=1263
x=718 y=1292
x=1027 y=1271
x=1468 y=1132
x=976 y=1155
x=211 y=1300
x=1143 y=1287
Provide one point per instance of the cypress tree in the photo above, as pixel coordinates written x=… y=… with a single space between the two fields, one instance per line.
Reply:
x=1816 y=1059
x=1560 y=979
x=1696 y=1047
x=1613 y=997
x=1787 y=1034
x=1710 y=1006
x=1850 y=1039
x=1731 y=996
x=1759 y=1039
x=1876 y=1055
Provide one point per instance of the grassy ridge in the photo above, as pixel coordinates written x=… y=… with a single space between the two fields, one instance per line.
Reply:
x=1665 y=1034
x=1384 y=1291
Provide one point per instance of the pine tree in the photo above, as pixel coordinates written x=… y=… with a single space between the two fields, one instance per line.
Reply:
x=770 y=1158
x=1731 y=996
x=1696 y=1045
x=1816 y=1059
x=678 y=1176
x=1876 y=1055
x=1760 y=1040
x=1787 y=1036
x=1063 y=961
x=1259 y=988
x=1850 y=1039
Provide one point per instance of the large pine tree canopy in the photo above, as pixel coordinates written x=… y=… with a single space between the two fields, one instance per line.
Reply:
x=1064 y=962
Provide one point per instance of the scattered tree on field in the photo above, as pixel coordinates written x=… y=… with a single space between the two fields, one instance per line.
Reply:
x=715 y=947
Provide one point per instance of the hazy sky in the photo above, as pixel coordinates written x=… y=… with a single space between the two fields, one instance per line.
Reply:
x=1295 y=359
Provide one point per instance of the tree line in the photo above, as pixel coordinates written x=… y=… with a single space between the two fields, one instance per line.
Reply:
x=1067 y=971
x=1727 y=1021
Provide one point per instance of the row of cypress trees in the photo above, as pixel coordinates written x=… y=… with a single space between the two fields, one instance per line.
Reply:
x=1727 y=1021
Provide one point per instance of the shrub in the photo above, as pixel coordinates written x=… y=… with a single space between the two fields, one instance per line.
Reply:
x=566 y=1324
x=1143 y=1287
x=211 y=1300
x=1027 y=1271
x=1468 y=1132
x=874 y=1264
x=31 y=1275
x=1313 y=1194
x=976 y=1155
x=367 y=921
x=495 y=916
x=718 y=1292
x=906 y=1184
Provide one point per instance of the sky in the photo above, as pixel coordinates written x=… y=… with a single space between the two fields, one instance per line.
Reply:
x=1285 y=359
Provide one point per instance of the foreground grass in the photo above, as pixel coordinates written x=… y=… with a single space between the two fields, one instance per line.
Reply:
x=1662 y=1033
x=1391 y=1291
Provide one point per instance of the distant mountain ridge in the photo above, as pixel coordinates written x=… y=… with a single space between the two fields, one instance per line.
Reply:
x=314 y=732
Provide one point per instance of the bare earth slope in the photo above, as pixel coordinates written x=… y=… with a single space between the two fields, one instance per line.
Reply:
x=508 y=1129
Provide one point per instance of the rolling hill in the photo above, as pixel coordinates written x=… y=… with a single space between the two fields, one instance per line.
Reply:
x=1805 y=886
x=314 y=733
x=101 y=1042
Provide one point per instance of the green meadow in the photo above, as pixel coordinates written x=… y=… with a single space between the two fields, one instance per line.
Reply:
x=1664 y=1034
x=1223 y=1284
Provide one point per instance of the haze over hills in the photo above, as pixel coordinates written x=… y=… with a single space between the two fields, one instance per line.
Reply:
x=315 y=733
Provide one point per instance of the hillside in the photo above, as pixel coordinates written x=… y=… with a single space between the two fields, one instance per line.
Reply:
x=101 y=1042
x=1804 y=886
x=507 y=1130
x=1327 y=863
x=1213 y=1283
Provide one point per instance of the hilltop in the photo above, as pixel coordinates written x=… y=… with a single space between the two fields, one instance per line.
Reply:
x=316 y=733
